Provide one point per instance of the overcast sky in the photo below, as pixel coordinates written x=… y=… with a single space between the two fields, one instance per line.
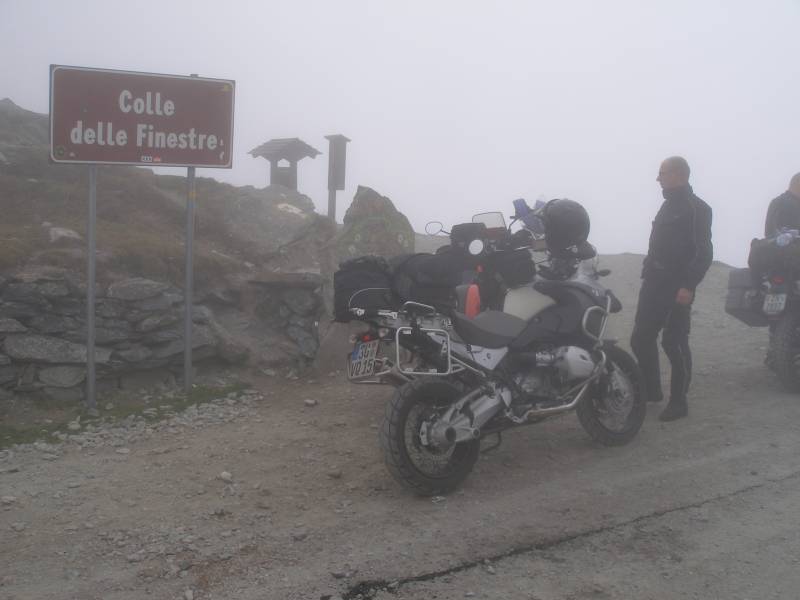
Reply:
x=457 y=107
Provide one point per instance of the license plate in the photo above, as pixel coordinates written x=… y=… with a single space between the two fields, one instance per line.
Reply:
x=774 y=303
x=362 y=359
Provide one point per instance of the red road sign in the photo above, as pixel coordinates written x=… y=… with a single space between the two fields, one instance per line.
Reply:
x=124 y=117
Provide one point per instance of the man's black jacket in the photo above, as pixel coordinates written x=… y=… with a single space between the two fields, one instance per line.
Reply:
x=784 y=211
x=680 y=242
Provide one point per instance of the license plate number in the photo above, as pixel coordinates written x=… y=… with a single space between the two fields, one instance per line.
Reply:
x=774 y=303
x=362 y=359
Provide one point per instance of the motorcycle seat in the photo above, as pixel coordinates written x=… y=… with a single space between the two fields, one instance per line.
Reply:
x=489 y=329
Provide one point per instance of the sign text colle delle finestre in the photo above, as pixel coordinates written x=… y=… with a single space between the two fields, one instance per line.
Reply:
x=146 y=134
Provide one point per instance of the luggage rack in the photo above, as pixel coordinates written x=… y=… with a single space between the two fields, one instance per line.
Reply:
x=407 y=321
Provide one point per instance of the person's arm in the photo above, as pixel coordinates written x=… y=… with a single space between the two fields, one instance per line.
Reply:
x=704 y=249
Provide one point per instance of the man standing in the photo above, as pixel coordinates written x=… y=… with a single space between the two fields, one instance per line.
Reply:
x=679 y=255
x=784 y=211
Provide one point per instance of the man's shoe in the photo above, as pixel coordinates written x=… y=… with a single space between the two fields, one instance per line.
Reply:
x=674 y=411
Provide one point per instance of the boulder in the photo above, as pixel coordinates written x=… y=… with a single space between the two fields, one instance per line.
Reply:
x=372 y=225
x=40 y=348
x=20 y=310
x=4 y=360
x=136 y=288
x=62 y=376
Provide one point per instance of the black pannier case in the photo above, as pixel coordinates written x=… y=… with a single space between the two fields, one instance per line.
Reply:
x=363 y=282
x=744 y=300
x=428 y=278
x=515 y=267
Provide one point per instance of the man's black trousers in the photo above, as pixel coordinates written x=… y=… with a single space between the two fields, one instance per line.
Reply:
x=657 y=311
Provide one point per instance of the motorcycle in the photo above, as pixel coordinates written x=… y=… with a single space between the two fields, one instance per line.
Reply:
x=768 y=295
x=532 y=350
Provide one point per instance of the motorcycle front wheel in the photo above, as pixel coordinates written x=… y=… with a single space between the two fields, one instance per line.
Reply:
x=425 y=469
x=614 y=409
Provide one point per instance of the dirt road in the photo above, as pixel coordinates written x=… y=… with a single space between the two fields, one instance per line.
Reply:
x=280 y=498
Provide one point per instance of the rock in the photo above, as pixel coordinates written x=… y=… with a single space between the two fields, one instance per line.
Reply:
x=136 y=353
x=299 y=536
x=4 y=360
x=226 y=477
x=62 y=376
x=8 y=500
x=136 y=288
x=305 y=341
x=34 y=293
x=71 y=307
x=160 y=303
x=64 y=236
x=335 y=474
x=372 y=225
x=109 y=308
x=8 y=374
x=201 y=336
x=19 y=526
x=156 y=322
x=11 y=326
x=123 y=451
x=74 y=426
x=51 y=323
x=201 y=314
x=50 y=349
x=188 y=595
x=310 y=402
x=20 y=310
x=301 y=302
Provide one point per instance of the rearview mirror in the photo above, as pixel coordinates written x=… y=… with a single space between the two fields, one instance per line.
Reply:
x=434 y=227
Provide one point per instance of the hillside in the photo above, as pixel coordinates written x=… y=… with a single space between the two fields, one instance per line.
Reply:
x=141 y=218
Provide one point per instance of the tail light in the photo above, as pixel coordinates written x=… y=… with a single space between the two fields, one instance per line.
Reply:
x=778 y=279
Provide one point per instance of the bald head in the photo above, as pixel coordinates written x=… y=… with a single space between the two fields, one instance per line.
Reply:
x=794 y=185
x=674 y=172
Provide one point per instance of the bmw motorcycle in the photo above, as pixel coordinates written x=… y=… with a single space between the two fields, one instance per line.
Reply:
x=768 y=295
x=527 y=350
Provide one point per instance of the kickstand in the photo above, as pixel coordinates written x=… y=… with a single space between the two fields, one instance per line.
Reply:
x=496 y=446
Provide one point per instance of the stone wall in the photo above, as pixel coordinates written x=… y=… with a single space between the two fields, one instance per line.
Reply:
x=139 y=328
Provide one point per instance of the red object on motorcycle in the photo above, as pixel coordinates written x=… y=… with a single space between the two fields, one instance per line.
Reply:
x=367 y=337
x=473 y=304
x=778 y=279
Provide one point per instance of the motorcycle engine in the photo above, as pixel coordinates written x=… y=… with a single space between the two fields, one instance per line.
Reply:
x=555 y=368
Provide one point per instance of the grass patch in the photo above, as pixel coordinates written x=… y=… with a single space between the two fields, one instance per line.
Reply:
x=124 y=406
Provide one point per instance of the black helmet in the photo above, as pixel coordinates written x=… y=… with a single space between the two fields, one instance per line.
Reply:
x=566 y=224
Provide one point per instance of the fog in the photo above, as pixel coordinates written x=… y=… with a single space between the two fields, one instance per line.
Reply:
x=459 y=107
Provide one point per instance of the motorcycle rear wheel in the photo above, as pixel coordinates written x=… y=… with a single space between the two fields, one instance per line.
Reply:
x=785 y=344
x=614 y=410
x=424 y=469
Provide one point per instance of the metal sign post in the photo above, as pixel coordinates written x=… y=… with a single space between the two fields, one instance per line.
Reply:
x=91 y=400
x=189 y=286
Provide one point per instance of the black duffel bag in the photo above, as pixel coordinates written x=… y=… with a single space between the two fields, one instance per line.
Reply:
x=429 y=278
x=365 y=283
x=515 y=267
